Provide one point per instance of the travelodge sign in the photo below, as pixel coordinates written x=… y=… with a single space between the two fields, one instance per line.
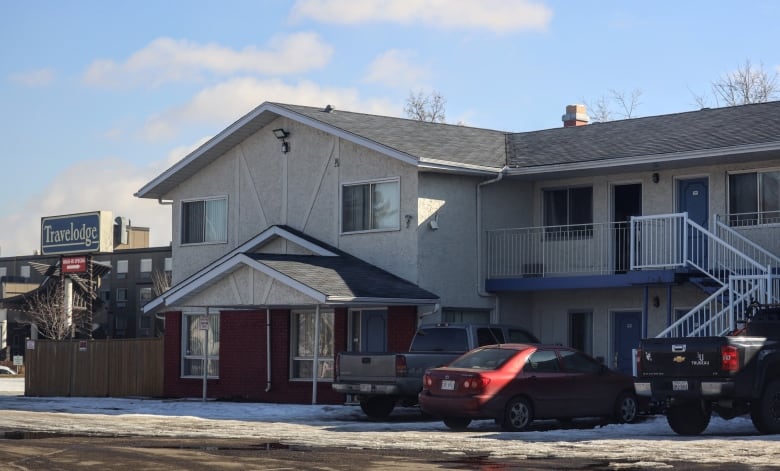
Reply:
x=77 y=233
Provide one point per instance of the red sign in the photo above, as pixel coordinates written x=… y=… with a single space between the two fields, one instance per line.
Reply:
x=74 y=264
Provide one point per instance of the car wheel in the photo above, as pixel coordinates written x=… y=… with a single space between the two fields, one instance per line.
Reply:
x=518 y=415
x=378 y=407
x=765 y=412
x=626 y=408
x=690 y=418
x=455 y=423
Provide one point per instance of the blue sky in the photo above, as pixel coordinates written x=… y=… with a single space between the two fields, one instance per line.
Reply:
x=99 y=97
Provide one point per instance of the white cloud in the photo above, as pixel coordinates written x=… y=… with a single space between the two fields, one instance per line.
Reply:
x=499 y=16
x=167 y=60
x=104 y=184
x=34 y=78
x=395 y=68
x=224 y=103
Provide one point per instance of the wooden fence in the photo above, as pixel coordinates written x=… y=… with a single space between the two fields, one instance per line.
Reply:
x=94 y=368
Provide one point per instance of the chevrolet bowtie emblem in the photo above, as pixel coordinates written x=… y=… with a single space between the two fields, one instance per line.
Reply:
x=678 y=359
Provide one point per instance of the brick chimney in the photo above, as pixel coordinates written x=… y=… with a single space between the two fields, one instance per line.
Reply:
x=576 y=115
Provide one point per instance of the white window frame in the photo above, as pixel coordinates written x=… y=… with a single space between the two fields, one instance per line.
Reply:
x=3 y=271
x=395 y=227
x=123 y=298
x=762 y=216
x=145 y=265
x=190 y=324
x=24 y=271
x=216 y=239
x=327 y=355
x=168 y=264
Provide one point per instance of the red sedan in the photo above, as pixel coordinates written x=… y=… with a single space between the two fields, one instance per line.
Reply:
x=517 y=383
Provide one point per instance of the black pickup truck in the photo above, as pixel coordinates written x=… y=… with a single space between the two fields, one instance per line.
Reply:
x=689 y=378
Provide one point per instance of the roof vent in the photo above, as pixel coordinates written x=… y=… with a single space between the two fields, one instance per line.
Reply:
x=328 y=109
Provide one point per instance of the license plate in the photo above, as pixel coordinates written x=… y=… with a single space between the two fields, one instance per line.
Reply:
x=448 y=384
x=365 y=388
x=679 y=385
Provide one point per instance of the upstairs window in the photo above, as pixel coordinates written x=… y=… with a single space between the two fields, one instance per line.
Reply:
x=145 y=268
x=204 y=221
x=371 y=206
x=569 y=211
x=121 y=269
x=754 y=198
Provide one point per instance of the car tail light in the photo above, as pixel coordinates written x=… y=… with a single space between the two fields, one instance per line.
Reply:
x=476 y=383
x=638 y=360
x=427 y=381
x=400 y=365
x=729 y=356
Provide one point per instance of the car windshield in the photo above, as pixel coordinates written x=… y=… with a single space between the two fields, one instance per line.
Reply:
x=484 y=358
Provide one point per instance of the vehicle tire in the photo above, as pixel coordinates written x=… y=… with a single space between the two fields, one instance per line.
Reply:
x=378 y=407
x=765 y=412
x=626 y=408
x=456 y=423
x=690 y=418
x=518 y=415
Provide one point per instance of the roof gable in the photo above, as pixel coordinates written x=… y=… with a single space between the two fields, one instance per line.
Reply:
x=321 y=273
x=426 y=145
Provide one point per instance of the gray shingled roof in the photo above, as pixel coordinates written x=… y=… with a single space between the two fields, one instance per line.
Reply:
x=419 y=139
x=704 y=130
x=343 y=277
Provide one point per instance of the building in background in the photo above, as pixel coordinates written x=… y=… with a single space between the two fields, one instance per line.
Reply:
x=122 y=290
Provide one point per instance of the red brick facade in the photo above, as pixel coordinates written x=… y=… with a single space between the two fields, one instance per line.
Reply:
x=242 y=356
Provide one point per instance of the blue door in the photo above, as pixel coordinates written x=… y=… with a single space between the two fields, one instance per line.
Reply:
x=627 y=332
x=693 y=198
x=373 y=330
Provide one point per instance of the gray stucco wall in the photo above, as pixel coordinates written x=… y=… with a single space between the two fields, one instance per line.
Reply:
x=301 y=189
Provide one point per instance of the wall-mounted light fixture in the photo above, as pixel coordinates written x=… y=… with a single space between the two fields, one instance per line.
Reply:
x=656 y=177
x=656 y=301
x=282 y=135
x=434 y=222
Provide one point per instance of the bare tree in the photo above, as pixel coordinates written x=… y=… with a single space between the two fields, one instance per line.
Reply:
x=424 y=107
x=748 y=84
x=615 y=105
x=161 y=281
x=45 y=310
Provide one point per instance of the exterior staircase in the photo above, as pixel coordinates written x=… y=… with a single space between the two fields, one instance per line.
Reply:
x=733 y=270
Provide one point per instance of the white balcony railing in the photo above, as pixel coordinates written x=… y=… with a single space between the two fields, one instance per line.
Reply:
x=558 y=250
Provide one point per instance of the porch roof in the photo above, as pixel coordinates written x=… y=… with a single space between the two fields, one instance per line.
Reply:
x=326 y=276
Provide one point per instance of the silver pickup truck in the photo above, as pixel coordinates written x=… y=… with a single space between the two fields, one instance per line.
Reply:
x=379 y=381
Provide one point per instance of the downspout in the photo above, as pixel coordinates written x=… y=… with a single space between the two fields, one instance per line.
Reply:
x=480 y=276
x=316 y=355
x=268 y=349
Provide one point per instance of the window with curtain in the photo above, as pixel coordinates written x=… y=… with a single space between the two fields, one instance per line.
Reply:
x=194 y=349
x=569 y=211
x=204 y=221
x=754 y=198
x=371 y=206
x=303 y=345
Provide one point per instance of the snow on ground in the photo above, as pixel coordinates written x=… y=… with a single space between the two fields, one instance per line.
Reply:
x=649 y=442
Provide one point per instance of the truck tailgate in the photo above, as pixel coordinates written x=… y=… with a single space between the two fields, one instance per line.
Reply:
x=693 y=357
x=357 y=367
